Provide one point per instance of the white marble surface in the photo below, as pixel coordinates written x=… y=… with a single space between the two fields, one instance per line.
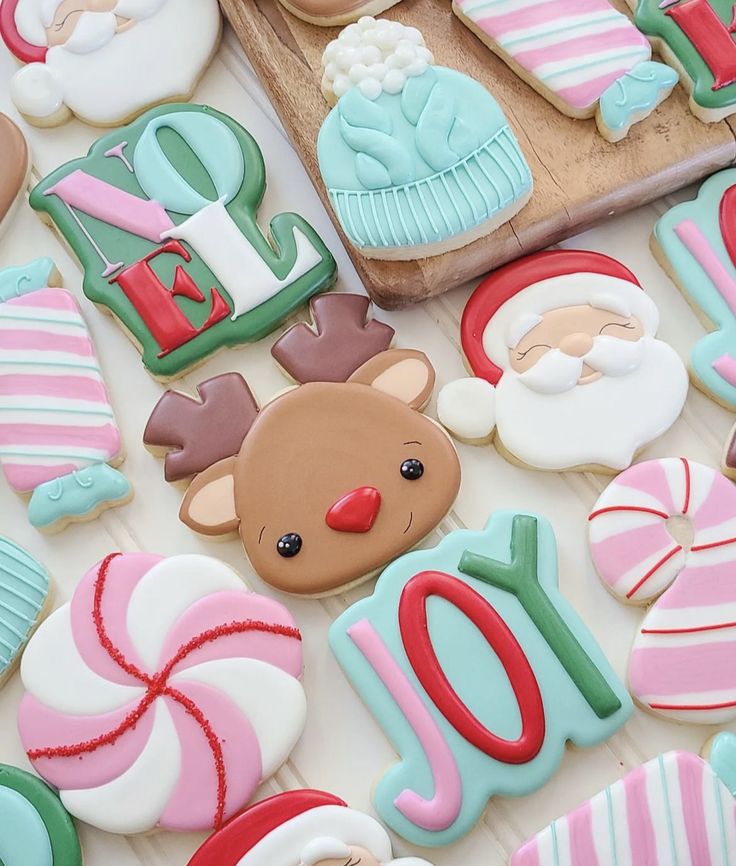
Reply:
x=343 y=750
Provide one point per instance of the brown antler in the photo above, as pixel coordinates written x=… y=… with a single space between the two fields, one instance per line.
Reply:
x=340 y=340
x=198 y=433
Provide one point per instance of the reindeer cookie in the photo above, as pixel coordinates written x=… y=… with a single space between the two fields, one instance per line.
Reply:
x=15 y=170
x=328 y=481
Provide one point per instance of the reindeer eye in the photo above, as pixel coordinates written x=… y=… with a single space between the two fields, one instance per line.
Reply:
x=289 y=545
x=412 y=469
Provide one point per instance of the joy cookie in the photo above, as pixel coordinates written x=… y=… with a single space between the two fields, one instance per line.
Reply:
x=537 y=678
x=417 y=159
x=695 y=37
x=16 y=168
x=583 y=56
x=162 y=215
x=301 y=828
x=695 y=242
x=35 y=829
x=328 y=481
x=106 y=61
x=574 y=377
x=677 y=809
x=665 y=532
x=162 y=695
x=59 y=440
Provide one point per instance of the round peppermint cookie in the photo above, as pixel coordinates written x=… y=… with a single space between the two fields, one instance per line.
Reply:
x=162 y=695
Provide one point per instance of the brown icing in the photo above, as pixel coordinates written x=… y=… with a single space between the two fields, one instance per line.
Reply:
x=326 y=8
x=731 y=450
x=402 y=373
x=340 y=340
x=14 y=152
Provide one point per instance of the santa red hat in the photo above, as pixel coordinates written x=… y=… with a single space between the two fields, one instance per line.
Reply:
x=23 y=26
x=506 y=305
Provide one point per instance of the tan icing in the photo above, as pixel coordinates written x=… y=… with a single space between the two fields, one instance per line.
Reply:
x=388 y=372
x=405 y=380
x=209 y=504
x=14 y=164
x=326 y=8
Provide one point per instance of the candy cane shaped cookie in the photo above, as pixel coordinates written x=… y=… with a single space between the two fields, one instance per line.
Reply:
x=666 y=530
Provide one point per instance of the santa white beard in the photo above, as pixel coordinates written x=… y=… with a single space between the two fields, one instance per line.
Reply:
x=603 y=423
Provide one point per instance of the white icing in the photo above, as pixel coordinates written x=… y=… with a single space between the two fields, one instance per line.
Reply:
x=36 y=91
x=612 y=303
x=32 y=17
x=324 y=848
x=467 y=408
x=520 y=327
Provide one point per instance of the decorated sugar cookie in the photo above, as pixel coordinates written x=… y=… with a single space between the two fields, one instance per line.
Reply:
x=696 y=37
x=331 y=13
x=328 y=481
x=728 y=461
x=162 y=215
x=570 y=373
x=677 y=809
x=695 y=242
x=583 y=56
x=301 y=828
x=106 y=61
x=417 y=159
x=468 y=730
x=665 y=532
x=59 y=441
x=16 y=168
x=162 y=695
x=35 y=829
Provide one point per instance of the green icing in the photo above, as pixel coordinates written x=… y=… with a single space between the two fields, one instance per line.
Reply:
x=638 y=90
x=76 y=494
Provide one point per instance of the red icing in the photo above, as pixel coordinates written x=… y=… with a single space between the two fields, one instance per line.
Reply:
x=727 y=220
x=711 y=37
x=657 y=565
x=641 y=508
x=508 y=281
x=16 y=43
x=688 y=485
x=426 y=665
x=356 y=511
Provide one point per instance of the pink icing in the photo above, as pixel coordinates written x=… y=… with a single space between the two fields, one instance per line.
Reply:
x=641 y=830
x=697 y=243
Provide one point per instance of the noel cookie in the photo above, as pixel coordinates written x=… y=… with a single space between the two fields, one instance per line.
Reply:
x=664 y=532
x=16 y=168
x=35 y=829
x=417 y=159
x=328 y=481
x=162 y=695
x=537 y=678
x=301 y=828
x=675 y=809
x=59 y=441
x=583 y=56
x=332 y=13
x=106 y=61
x=574 y=377
x=695 y=242
x=162 y=215
x=695 y=37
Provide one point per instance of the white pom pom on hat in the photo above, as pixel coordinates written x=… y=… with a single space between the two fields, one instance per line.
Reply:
x=36 y=91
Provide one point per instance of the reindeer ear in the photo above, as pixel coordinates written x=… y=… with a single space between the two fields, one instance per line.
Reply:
x=209 y=503
x=403 y=373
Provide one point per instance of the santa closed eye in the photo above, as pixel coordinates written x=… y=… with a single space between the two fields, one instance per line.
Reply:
x=569 y=372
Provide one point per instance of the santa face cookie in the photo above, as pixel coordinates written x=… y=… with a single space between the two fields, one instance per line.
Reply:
x=16 y=168
x=663 y=534
x=676 y=809
x=537 y=678
x=162 y=216
x=59 y=440
x=695 y=242
x=330 y=480
x=574 y=375
x=106 y=61
x=583 y=56
x=301 y=828
x=417 y=159
x=162 y=695
x=696 y=37
x=35 y=829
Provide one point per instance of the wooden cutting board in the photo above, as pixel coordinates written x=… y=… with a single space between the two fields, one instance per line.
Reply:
x=579 y=178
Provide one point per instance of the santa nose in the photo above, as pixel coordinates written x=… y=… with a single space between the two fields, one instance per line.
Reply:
x=576 y=345
x=355 y=511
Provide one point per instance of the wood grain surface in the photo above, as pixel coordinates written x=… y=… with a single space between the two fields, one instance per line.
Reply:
x=580 y=179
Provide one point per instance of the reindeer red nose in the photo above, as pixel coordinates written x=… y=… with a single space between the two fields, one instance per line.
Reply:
x=355 y=511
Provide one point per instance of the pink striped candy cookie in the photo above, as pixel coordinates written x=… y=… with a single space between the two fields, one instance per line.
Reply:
x=666 y=530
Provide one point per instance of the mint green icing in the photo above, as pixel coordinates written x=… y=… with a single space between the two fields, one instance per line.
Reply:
x=15 y=282
x=76 y=494
x=24 y=588
x=722 y=758
x=638 y=90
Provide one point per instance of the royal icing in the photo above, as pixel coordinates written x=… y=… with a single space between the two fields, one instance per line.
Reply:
x=697 y=37
x=300 y=828
x=16 y=165
x=35 y=829
x=330 y=480
x=498 y=726
x=162 y=695
x=676 y=809
x=666 y=530
x=172 y=248
x=585 y=56
x=58 y=433
x=568 y=341
x=696 y=241
x=106 y=60
x=330 y=13
x=413 y=155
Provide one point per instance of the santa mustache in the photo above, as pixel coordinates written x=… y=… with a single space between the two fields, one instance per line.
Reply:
x=556 y=372
x=95 y=29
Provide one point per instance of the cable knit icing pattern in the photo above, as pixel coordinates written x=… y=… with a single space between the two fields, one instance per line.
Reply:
x=162 y=694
